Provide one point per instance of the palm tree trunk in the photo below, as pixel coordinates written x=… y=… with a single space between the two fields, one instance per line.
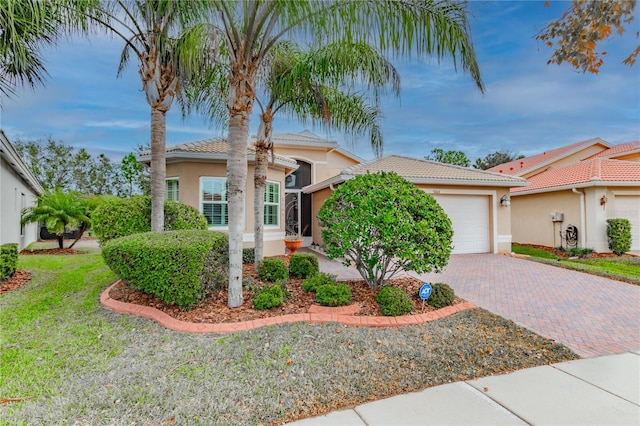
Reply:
x=262 y=146
x=158 y=168
x=83 y=227
x=236 y=184
x=60 y=240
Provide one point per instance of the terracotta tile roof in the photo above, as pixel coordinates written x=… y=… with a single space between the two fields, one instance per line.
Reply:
x=614 y=151
x=425 y=171
x=214 y=146
x=522 y=165
x=585 y=173
x=305 y=137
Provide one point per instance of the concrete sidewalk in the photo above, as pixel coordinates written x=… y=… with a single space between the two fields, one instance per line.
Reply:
x=594 y=391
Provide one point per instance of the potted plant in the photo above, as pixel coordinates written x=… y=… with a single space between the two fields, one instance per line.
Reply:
x=293 y=242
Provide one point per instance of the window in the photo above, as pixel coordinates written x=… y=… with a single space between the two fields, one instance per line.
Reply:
x=272 y=204
x=213 y=198
x=172 y=192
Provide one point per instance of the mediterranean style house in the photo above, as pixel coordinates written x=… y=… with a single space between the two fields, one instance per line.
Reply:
x=575 y=187
x=307 y=168
x=19 y=188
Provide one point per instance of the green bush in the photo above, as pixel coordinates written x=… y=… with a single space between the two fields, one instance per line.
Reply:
x=619 y=235
x=273 y=270
x=394 y=301
x=303 y=265
x=321 y=278
x=333 y=294
x=248 y=256
x=579 y=252
x=119 y=217
x=385 y=224
x=8 y=260
x=269 y=297
x=441 y=295
x=179 y=267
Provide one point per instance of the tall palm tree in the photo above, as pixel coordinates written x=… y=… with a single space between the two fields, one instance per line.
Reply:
x=60 y=212
x=249 y=29
x=158 y=33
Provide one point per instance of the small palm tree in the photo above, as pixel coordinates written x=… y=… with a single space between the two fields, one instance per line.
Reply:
x=59 y=211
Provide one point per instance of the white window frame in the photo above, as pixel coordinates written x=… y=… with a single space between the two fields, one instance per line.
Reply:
x=276 y=204
x=167 y=193
x=202 y=202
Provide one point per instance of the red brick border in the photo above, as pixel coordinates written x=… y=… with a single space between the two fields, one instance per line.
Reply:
x=316 y=314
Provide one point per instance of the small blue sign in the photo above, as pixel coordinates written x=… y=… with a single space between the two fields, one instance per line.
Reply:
x=425 y=291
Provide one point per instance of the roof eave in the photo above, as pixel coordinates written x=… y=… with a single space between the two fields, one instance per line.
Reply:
x=591 y=183
x=9 y=153
x=175 y=156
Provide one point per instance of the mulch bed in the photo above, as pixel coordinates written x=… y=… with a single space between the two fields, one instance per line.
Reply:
x=214 y=309
x=17 y=280
x=565 y=254
x=54 y=251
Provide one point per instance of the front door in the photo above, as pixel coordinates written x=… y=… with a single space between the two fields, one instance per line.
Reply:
x=297 y=211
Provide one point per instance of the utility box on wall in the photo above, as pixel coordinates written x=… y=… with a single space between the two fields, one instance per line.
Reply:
x=557 y=217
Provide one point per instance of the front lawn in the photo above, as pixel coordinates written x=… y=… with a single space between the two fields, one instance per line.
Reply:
x=64 y=359
x=625 y=268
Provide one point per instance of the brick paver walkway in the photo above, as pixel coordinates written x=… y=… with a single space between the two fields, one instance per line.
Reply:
x=591 y=315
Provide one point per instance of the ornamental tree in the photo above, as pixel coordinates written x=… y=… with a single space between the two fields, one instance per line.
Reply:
x=385 y=224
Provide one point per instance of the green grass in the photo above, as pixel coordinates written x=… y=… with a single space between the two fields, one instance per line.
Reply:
x=533 y=252
x=625 y=269
x=49 y=326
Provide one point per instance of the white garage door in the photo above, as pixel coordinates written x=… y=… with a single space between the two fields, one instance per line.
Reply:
x=629 y=208
x=470 y=217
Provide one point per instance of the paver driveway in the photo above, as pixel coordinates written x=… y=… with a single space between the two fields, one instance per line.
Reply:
x=591 y=315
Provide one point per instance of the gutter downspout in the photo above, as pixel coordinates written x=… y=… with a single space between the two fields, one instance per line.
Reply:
x=582 y=217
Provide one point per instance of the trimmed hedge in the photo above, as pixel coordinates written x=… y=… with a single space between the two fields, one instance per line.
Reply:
x=619 y=235
x=333 y=294
x=303 y=265
x=8 y=260
x=269 y=297
x=394 y=301
x=119 y=217
x=311 y=284
x=179 y=267
x=273 y=270
x=442 y=295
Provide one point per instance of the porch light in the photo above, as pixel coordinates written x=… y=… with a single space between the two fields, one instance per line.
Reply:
x=505 y=201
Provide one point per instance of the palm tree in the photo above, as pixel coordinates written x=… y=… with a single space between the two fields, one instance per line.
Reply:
x=158 y=34
x=60 y=212
x=26 y=26
x=245 y=31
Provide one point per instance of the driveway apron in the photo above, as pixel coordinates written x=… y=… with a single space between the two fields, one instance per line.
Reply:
x=591 y=315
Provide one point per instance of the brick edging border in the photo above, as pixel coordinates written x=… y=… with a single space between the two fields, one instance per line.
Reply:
x=341 y=315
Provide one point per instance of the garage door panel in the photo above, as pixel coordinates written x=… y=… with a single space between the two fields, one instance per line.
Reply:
x=469 y=216
x=628 y=207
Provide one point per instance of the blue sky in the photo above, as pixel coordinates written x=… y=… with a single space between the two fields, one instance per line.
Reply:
x=528 y=107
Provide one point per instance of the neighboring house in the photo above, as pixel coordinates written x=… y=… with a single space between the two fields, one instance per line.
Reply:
x=581 y=185
x=19 y=188
x=307 y=168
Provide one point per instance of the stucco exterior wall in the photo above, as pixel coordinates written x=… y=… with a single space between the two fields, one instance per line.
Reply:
x=189 y=174
x=531 y=217
x=15 y=194
x=325 y=164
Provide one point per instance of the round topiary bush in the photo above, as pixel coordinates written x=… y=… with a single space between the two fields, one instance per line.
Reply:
x=321 y=278
x=333 y=294
x=119 y=217
x=179 y=267
x=273 y=270
x=303 y=265
x=385 y=224
x=394 y=301
x=269 y=297
x=441 y=295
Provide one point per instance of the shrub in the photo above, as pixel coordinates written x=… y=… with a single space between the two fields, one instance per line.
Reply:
x=8 y=260
x=303 y=265
x=333 y=294
x=580 y=252
x=119 y=217
x=179 y=267
x=321 y=278
x=385 y=224
x=394 y=301
x=248 y=256
x=269 y=297
x=441 y=295
x=273 y=270
x=619 y=235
